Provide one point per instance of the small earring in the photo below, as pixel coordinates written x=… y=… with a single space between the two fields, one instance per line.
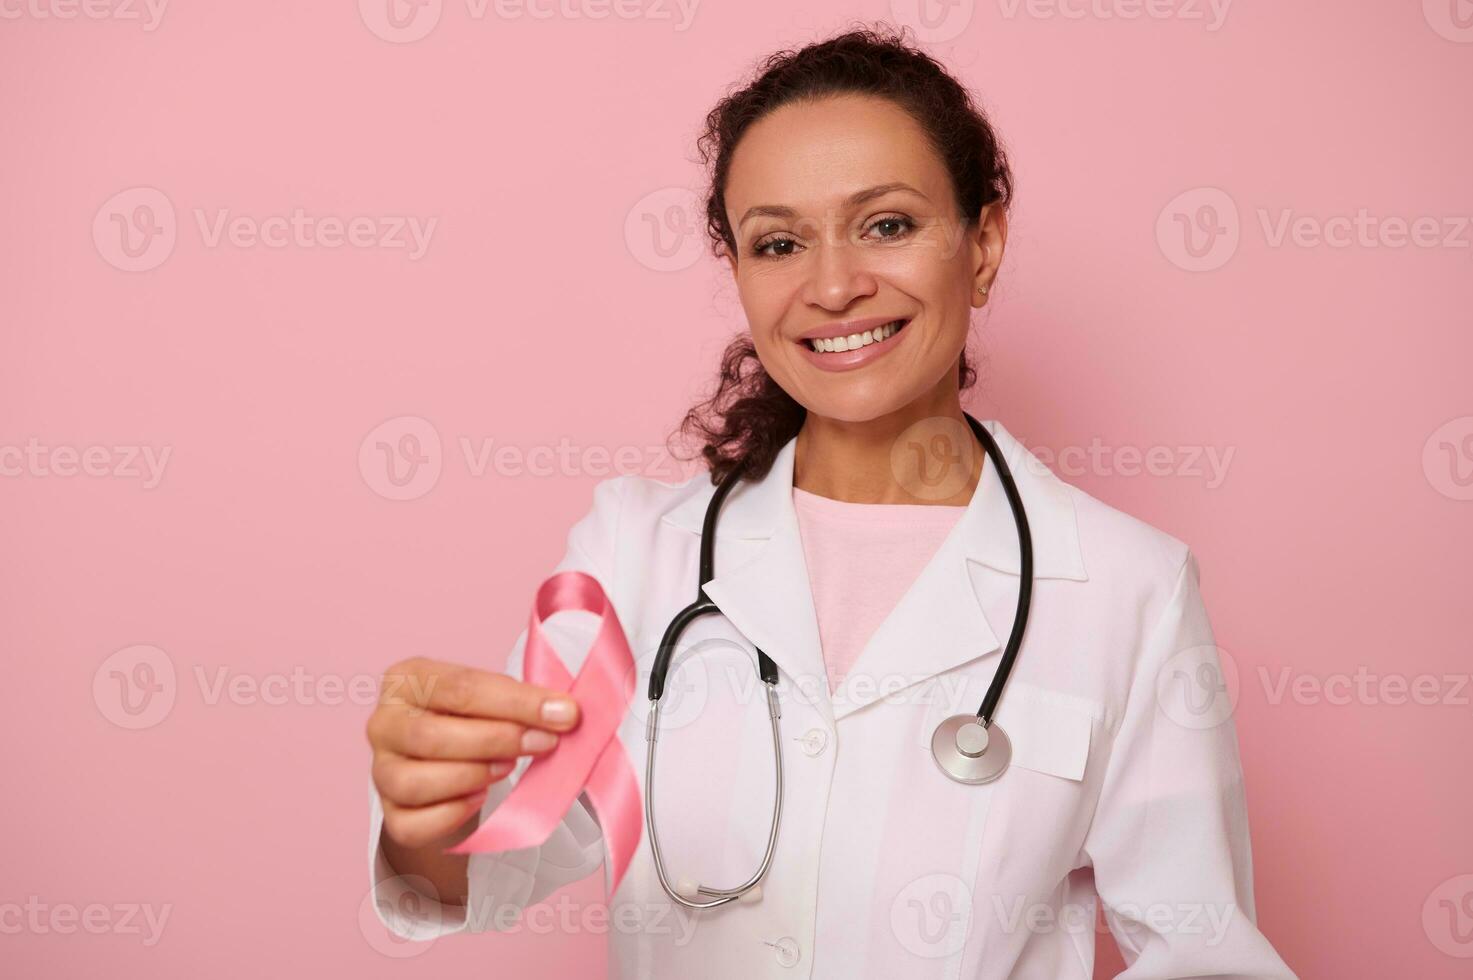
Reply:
x=982 y=290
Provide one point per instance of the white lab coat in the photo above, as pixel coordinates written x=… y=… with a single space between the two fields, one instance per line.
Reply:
x=1125 y=780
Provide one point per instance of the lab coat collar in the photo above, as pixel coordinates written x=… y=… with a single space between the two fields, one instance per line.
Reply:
x=937 y=625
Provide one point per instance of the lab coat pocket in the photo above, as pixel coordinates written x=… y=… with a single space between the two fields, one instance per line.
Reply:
x=1044 y=798
x=969 y=854
x=1050 y=730
x=1036 y=821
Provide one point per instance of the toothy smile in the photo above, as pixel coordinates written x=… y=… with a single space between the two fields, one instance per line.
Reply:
x=854 y=341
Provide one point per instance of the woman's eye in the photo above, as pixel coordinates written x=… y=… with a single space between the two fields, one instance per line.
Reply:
x=783 y=246
x=890 y=228
x=896 y=225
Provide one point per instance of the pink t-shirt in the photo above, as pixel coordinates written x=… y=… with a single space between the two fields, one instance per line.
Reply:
x=862 y=558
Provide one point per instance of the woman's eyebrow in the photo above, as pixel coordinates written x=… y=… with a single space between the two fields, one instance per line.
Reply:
x=853 y=200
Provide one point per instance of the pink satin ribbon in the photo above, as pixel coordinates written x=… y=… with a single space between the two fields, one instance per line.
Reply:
x=588 y=759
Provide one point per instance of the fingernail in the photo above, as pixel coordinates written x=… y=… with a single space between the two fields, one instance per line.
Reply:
x=474 y=802
x=536 y=740
x=498 y=769
x=559 y=711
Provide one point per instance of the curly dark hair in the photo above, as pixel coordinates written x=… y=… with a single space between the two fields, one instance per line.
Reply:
x=748 y=418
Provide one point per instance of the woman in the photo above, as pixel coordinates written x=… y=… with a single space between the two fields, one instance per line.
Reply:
x=859 y=198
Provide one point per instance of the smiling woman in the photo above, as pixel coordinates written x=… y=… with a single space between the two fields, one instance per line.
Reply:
x=858 y=141
x=858 y=551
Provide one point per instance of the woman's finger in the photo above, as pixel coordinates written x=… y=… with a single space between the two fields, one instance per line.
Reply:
x=421 y=734
x=460 y=690
x=418 y=782
x=416 y=827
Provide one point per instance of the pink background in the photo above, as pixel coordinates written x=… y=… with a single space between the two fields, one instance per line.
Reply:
x=545 y=310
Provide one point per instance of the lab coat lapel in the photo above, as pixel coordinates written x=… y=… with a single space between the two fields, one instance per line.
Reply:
x=941 y=623
x=938 y=624
x=761 y=578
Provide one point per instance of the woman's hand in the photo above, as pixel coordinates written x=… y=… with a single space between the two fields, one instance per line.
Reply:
x=441 y=734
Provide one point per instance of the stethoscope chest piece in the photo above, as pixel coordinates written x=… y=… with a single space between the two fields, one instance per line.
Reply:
x=969 y=753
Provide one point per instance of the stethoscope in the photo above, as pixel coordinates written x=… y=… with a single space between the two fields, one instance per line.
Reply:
x=970 y=749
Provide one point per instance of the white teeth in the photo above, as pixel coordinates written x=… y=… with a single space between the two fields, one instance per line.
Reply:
x=856 y=340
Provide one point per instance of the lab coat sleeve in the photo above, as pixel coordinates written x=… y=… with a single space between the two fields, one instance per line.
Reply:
x=501 y=884
x=1169 y=840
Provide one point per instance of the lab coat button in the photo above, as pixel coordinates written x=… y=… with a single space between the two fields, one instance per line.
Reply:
x=786 y=949
x=815 y=740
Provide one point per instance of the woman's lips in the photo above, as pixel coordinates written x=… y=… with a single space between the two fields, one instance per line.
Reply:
x=850 y=359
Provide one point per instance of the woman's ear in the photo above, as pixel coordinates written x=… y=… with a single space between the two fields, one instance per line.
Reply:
x=988 y=243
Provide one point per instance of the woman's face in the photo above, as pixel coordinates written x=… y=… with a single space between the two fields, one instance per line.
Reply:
x=845 y=221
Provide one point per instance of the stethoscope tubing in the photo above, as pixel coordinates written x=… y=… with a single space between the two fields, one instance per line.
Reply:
x=767 y=670
x=1025 y=572
x=717 y=896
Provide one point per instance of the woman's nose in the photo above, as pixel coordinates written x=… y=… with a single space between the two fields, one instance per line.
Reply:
x=838 y=274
